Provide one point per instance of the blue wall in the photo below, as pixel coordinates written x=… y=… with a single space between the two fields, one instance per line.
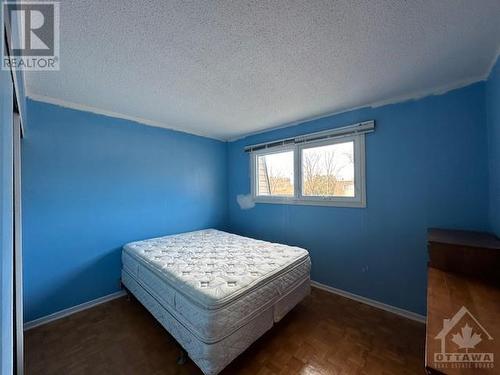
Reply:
x=425 y=167
x=493 y=123
x=6 y=223
x=92 y=183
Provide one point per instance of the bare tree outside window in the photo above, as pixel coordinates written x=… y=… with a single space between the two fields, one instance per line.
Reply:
x=328 y=170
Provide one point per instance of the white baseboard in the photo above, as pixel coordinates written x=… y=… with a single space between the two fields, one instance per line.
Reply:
x=72 y=310
x=87 y=305
x=379 y=305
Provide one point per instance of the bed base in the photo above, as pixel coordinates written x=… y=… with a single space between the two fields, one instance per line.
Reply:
x=211 y=358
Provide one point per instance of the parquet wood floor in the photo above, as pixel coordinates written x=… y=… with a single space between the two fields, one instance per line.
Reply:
x=325 y=334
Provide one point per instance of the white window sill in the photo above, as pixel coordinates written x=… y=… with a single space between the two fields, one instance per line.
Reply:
x=311 y=202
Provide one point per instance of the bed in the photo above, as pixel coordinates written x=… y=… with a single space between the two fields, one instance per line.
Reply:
x=215 y=292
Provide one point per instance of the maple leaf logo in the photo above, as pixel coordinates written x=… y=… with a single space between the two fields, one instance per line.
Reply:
x=466 y=340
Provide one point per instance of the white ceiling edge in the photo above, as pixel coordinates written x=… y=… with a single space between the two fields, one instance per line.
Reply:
x=398 y=99
x=104 y=112
x=441 y=90
x=493 y=63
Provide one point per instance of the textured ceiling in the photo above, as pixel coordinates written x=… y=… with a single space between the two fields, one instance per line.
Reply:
x=228 y=68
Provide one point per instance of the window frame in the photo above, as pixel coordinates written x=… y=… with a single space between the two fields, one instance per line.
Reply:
x=359 y=199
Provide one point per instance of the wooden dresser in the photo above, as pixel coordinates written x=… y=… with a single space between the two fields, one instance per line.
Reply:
x=463 y=303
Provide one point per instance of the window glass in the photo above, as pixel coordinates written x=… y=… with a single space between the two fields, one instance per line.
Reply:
x=328 y=171
x=275 y=176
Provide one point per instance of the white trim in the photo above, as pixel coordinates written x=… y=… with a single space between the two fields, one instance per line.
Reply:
x=72 y=310
x=20 y=105
x=18 y=246
x=103 y=112
x=309 y=202
x=440 y=90
x=87 y=305
x=367 y=301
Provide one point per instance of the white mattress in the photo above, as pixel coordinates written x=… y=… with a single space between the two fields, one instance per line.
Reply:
x=212 y=282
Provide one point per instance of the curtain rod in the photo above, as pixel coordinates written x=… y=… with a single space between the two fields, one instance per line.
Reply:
x=358 y=128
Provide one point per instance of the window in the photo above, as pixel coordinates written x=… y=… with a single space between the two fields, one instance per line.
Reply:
x=326 y=172
x=275 y=175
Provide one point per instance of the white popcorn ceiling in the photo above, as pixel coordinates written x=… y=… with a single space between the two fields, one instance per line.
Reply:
x=229 y=68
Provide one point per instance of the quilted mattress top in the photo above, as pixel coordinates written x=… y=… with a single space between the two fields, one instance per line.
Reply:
x=213 y=267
